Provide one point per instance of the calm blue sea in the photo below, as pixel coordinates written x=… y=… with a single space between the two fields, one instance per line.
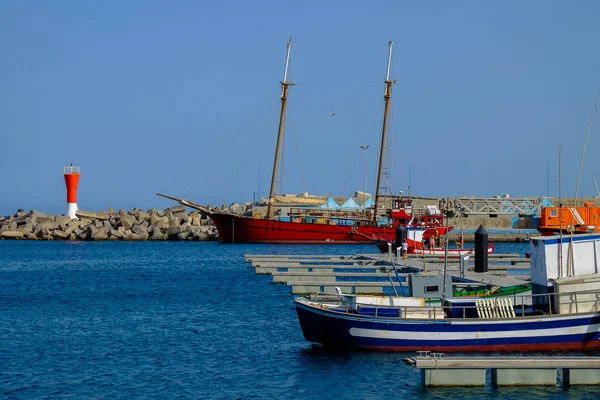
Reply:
x=182 y=320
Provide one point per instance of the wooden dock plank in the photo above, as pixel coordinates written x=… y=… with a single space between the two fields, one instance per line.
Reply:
x=377 y=256
x=436 y=267
x=323 y=270
x=292 y=277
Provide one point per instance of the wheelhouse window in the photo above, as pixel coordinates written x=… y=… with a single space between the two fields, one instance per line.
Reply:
x=553 y=213
x=432 y=289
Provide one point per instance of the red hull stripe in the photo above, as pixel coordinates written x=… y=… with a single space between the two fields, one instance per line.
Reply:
x=574 y=346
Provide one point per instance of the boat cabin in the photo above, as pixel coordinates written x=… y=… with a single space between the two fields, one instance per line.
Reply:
x=577 y=219
x=553 y=259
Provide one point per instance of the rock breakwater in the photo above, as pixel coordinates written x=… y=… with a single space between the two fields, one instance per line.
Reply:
x=173 y=223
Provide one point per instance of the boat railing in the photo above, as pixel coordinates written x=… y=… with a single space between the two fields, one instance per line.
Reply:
x=324 y=213
x=517 y=305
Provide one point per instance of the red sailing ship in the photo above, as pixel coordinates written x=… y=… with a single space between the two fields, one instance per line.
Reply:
x=318 y=225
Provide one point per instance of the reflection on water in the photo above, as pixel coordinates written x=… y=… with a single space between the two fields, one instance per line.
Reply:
x=190 y=320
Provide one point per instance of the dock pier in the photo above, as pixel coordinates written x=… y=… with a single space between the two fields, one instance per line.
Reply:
x=370 y=273
x=437 y=370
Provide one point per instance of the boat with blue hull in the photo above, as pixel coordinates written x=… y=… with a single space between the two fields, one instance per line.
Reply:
x=561 y=314
x=438 y=333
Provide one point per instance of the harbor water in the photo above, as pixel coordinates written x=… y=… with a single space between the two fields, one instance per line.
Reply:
x=184 y=320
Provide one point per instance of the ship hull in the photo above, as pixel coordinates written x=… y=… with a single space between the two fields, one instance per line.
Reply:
x=237 y=229
x=542 y=333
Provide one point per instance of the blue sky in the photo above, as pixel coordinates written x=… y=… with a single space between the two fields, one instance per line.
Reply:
x=148 y=94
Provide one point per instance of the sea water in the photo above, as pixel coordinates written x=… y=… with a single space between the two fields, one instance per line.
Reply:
x=110 y=320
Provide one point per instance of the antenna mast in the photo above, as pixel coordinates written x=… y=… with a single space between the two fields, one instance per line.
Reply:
x=570 y=263
x=387 y=96
x=560 y=232
x=587 y=136
x=280 y=132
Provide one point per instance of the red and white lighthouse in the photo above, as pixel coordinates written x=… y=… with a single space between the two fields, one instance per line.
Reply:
x=72 y=180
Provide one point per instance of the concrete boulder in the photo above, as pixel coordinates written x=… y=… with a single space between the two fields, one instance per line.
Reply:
x=60 y=235
x=236 y=208
x=171 y=224
x=141 y=215
x=48 y=225
x=12 y=235
x=25 y=228
x=131 y=237
x=155 y=219
x=80 y=234
x=183 y=235
x=202 y=236
x=174 y=230
x=176 y=209
x=96 y=233
x=157 y=235
x=91 y=215
x=45 y=219
x=127 y=221
x=37 y=232
x=62 y=219
x=20 y=212
x=116 y=234
x=140 y=231
x=156 y=212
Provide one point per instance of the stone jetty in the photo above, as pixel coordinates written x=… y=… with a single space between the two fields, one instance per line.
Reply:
x=173 y=223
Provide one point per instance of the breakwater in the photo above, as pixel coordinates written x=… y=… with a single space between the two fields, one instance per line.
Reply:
x=173 y=223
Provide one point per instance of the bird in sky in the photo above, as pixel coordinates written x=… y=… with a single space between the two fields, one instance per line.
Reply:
x=331 y=114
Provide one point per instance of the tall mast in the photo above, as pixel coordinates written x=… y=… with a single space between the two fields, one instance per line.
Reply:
x=387 y=96
x=278 y=150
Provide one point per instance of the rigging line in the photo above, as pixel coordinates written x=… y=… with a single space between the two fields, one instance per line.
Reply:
x=229 y=158
x=219 y=157
x=386 y=170
x=585 y=145
x=207 y=151
x=246 y=153
x=297 y=151
x=336 y=83
x=570 y=261
x=396 y=152
x=364 y=143
x=229 y=145
x=356 y=160
x=374 y=120
x=217 y=177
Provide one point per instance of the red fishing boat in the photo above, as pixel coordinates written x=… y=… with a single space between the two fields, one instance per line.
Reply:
x=315 y=225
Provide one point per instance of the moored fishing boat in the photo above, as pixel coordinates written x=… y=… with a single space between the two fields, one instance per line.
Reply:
x=454 y=253
x=413 y=328
x=565 y=312
x=416 y=237
x=314 y=225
